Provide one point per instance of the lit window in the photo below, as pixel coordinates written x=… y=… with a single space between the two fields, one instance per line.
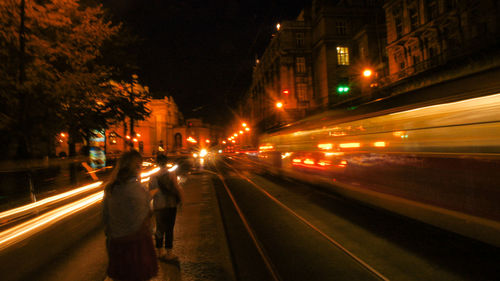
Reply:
x=343 y=55
x=301 y=65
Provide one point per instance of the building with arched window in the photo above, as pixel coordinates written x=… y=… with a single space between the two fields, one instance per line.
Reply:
x=155 y=134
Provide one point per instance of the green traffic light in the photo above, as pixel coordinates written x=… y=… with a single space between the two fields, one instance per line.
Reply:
x=342 y=89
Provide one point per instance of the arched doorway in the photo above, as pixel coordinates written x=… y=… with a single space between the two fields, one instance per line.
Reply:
x=177 y=141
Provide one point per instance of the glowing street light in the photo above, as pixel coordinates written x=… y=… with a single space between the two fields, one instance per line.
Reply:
x=279 y=105
x=367 y=73
x=247 y=129
x=244 y=124
x=241 y=132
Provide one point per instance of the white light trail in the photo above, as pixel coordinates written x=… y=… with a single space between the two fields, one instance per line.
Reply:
x=30 y=207
x=26 y=229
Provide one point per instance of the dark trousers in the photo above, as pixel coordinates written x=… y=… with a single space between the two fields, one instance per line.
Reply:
x=165 y=220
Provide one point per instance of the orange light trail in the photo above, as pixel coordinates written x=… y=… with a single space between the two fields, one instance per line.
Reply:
x=350 y=145
x=35 y=225
x=43 y=203
x=326 y=146
x=266 y=147
x=26 y=229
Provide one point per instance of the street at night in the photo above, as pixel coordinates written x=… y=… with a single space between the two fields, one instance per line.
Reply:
x=249 y=140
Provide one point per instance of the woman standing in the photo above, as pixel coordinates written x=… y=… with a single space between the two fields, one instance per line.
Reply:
x=167 y=196
x=126 y=217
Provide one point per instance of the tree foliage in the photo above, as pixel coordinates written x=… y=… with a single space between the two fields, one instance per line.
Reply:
x=64 y=84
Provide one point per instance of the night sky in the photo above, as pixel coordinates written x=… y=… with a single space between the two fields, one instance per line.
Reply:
x=202 y=52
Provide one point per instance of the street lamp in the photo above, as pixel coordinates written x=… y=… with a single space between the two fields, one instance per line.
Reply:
x=279 y=105
x=367 y=73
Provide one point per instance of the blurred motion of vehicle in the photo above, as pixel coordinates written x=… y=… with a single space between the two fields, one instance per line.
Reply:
x=435 y=162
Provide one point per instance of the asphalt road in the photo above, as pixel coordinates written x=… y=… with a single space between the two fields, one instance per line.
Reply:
x=306 y=234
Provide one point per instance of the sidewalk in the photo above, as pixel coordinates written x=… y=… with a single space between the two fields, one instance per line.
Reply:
x=199 y=242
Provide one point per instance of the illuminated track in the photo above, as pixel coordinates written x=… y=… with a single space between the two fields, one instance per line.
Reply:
x=267 y=260
x=302 y=219
x=31 y=227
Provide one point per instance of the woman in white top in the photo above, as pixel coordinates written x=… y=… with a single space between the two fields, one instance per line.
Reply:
x=126 y=217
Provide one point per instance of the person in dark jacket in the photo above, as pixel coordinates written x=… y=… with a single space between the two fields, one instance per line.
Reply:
x=167 y=196
x=127 y=216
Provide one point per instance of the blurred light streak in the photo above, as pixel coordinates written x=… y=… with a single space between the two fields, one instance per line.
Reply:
x=149 y=173
x=26 y=229
x=266 y=147
x=350 y=145
x=285 y=155
x=53 y=199
x=309 y=161
x=334 y=153
x=326 y=146
x=173 y=168
x=143 y=180
x=379 y=144
x=324 y=163
x=297 y=160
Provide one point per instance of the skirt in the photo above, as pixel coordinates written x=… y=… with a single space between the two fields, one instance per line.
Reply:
x=133 y=257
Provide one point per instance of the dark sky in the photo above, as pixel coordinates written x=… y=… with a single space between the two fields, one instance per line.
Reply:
x=202 y=52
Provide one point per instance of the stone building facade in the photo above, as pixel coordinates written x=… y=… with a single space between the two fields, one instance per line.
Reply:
x=151 y=135
x=328 y=45
x=194 y=135
x=283 y=74
x=426 y=34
